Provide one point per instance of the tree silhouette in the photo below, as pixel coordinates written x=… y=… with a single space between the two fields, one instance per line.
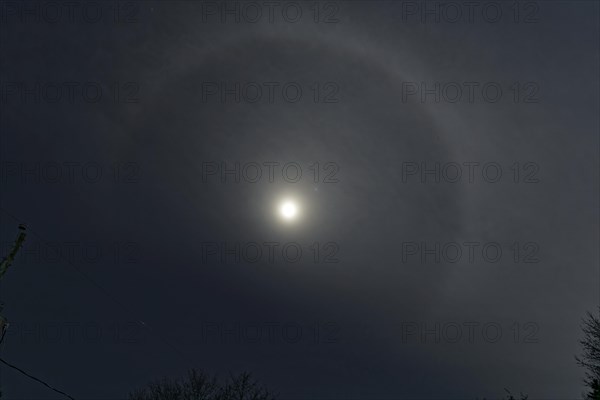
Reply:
x=4 y=265
x=511 y=397
x=199 y=385
x=594 y=393
x=590 y=357
x=6 y=262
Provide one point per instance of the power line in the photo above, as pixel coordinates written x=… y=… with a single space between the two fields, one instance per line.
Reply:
x=103 y=290
x=106 y=293
x=35 y=379
x=29 y=375
x=5 y=328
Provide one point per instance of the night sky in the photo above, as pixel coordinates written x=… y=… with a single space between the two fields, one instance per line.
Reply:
x=442 y=159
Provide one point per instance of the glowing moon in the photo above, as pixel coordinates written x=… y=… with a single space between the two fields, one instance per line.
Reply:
x=288 y=210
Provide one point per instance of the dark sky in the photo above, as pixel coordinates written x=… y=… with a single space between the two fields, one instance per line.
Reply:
x=117 y=120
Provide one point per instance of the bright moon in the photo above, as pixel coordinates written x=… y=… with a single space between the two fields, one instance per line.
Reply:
x=288 y=210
